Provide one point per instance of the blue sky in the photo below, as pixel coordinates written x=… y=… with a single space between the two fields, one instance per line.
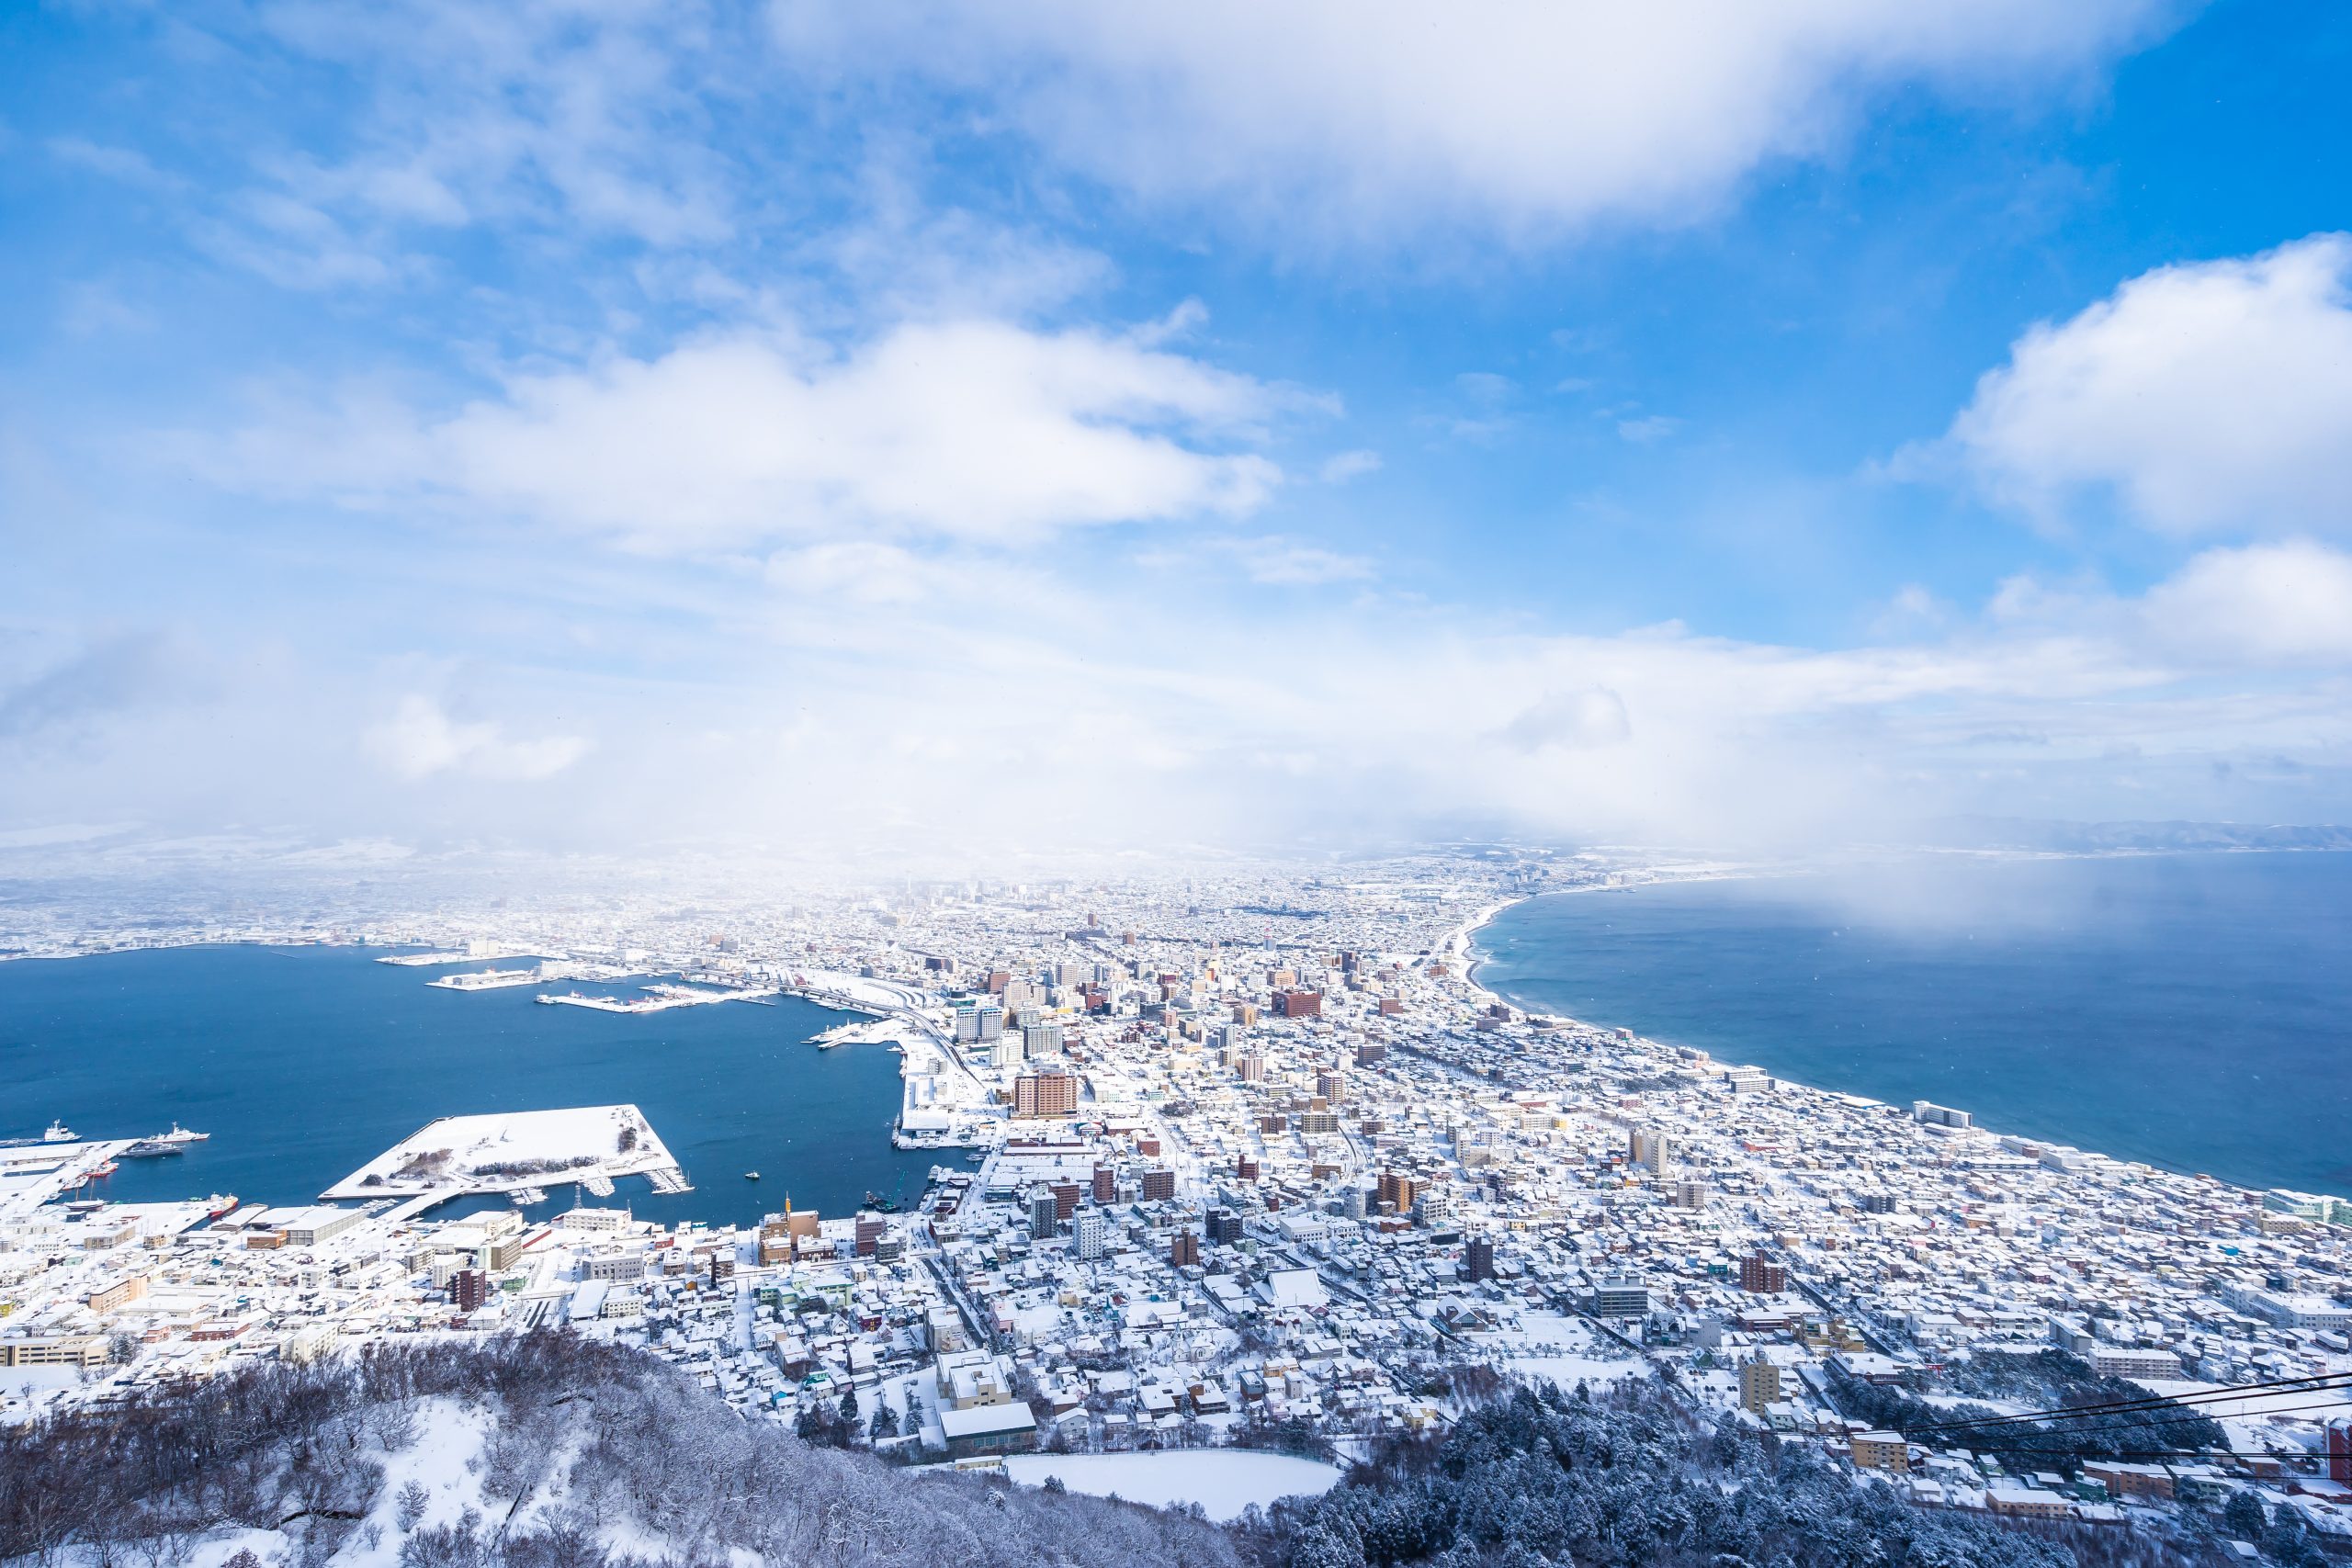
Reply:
x=1035 y=427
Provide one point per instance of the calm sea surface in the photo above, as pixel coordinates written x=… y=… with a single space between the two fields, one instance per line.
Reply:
x=304 y=1062
x=2194 y=1011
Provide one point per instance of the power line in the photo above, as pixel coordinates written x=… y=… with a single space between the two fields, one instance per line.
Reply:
x=2316 y=1383
x=2151 y=1406
x=2184 y=1421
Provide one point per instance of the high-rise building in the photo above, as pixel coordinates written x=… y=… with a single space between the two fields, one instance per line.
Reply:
x=1689 y=1194
x=1223 y=1227
x=1184 y=1249
x=1299 y=1004
x=1647 y=1148
x=1479 y=1260
x=1041 y=1040
x=1762 y=1275
x=1106 y=1184
x=1398 y=1190
x=1159 y=1185
x=1760 y=1384
x=1050 y=1091
x=1045 y=1214
x=1090 y=1233
x=469 y=1288
x=991 y=1024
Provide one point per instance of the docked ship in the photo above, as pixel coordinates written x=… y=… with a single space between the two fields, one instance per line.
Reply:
x=58 y=1133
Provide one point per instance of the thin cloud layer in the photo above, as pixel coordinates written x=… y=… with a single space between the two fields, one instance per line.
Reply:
x=1372 y=120
x=420 y=739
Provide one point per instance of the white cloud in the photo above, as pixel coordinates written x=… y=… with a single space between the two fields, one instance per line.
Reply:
x=2283 y=603
x=2215 y=395
x=873 y=697
x=1342 y=466
x=973 y=430
x=591 y=114
x=1352 y=118
x=1279 y=562
x=1593 y=717
x=1647 y=428
x=421 y=740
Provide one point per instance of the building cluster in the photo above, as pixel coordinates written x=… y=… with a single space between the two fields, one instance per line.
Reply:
x=1259 y=1151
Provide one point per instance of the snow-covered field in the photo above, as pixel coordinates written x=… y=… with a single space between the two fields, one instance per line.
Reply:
x=508 y=1138
x=1560 y=1348
x=1221 y=1481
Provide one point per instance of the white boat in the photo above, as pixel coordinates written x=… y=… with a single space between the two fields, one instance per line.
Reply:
x=751 y=1176
x=179 y=1135
x=58 y=1133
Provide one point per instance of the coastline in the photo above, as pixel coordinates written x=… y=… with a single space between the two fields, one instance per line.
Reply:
x=2046 y=1120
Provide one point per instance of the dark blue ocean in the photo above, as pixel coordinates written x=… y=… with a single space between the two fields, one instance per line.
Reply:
x=2191 y=1011
x=303 y=1061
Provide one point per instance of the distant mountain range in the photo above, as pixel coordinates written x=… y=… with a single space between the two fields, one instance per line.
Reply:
x=2091 y=838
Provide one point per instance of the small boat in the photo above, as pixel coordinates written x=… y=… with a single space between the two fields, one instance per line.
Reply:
x=179 y=1135
x=881 y=1204
x=751 y=1176
x=152 y=1148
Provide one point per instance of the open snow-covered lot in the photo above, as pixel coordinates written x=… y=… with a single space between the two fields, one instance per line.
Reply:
x=1224 y=1482
x=510 y=1148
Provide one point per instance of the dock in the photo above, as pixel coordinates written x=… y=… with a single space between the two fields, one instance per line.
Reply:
x=519 y=1154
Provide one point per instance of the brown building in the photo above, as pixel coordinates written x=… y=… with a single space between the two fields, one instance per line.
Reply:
x=1763 y=1276
x=469 y=1288
x=1106 y=1184
x=117 y=1293
x=1184 y=1249
x=1759 y=1385
x=1048 y=1093
x=1880 y=1451
x=1159 y=1185
x=1479 y=1260
x=1398 y=1190
x=1299 y=1004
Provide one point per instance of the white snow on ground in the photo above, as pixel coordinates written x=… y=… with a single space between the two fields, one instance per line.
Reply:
x=1224 y=1482
x=507 y=1137
x=1562 y=1348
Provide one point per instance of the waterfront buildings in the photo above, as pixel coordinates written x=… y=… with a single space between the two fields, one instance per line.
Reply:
x=1190 y=1201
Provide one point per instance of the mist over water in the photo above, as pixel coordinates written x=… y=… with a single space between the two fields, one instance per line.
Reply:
x=2192 y=1011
